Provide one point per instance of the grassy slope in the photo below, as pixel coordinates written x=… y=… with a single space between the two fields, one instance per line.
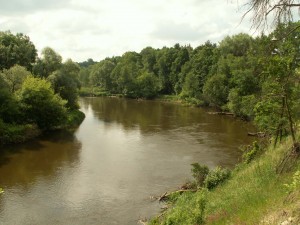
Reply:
x=255 y=194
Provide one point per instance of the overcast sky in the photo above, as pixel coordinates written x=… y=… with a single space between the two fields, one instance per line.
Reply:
x=96 y=29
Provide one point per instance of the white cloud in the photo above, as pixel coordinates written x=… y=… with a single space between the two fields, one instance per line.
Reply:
x=96 y=29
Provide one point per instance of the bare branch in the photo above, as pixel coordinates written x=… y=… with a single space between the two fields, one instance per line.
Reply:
x=278 y=11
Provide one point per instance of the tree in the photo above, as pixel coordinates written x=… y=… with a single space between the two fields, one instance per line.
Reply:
x=101 y=74
x=147 y=85
x=280 y=11
x=125 y=74
x=65 y=82
x=9 y=107
x=201 y=66
x=48 y=63
x=165 y=58
x=216 y=90
x=15 y=77
x=87 y=63
x=149 y=59
x=276 y=112
x=16 y=49
x=41 y=105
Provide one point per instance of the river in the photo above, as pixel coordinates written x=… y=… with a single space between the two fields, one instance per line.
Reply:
x=105 y=172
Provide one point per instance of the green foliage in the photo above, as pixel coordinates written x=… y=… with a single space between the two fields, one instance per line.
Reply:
x=74 y=118
x=251 y=152
x=87 y=63
x=209 y=178
x=9 y=107
x=197 y=72
x=183 y=214
x=295 y=184
x=66 y=83
x=100 y=74
x=15 y=76
x=16 y=49
x=28 y=103
x=48 y=63
x=148 y=85
x=216 y=90
x=40 y=104
x=216 y=177
x=14 y=133
x=93 y=92
x=276 y=112
x=253 y=193
x=200 y=173
x=242 y=106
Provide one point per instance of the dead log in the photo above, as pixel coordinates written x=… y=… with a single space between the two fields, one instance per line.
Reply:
x=258 y=134
x=166 y=194
x=161 y=198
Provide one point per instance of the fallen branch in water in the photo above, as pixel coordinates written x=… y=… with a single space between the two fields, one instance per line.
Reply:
x=166 y=195
x=258 y=134
x=143 y=222
x=162 y=196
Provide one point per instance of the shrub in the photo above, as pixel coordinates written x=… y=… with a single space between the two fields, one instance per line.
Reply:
x=189 y=210
x=216 y=177
x=13 y=133
x=295 y=185
x=199 y=172
x=251 y=152
x=74 y=118
x=41 y=105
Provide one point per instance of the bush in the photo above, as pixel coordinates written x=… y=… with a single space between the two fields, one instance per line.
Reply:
x=251 y=152
x=189 y=210
x=199 y=173
x=216 y=177
x=12 y=133
x=41 y=105
x=295 y=184
x=75 y=117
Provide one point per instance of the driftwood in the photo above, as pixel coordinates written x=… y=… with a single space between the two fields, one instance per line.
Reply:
x=221 y=113
x=166 y=194
x=162 y=197
x=258 y=134
x=143 y=222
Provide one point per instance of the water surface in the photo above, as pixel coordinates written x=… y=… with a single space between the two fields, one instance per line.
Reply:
x=104 y=172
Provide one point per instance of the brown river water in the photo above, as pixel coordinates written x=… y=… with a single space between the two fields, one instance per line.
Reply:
x=105 y=171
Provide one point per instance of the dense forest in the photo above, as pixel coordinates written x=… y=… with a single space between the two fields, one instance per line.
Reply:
x=36 y=94
x=254 y=78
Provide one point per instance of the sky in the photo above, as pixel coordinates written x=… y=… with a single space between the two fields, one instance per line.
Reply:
x=97 y=29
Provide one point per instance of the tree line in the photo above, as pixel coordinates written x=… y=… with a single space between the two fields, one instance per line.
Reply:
x=36 y=93
x=256 y=78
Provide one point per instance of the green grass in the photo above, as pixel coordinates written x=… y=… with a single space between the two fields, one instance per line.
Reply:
x=92 y=92
x=169 y=98
x=253 y=193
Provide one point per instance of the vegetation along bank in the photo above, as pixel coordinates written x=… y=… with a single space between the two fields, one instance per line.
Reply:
x=254 y=78
x=36 y=94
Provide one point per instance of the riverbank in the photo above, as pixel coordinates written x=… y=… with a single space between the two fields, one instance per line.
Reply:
x=19 y=133
x=99 y=92
x=260 y=191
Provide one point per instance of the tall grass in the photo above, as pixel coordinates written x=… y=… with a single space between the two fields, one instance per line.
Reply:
x=253 y=192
